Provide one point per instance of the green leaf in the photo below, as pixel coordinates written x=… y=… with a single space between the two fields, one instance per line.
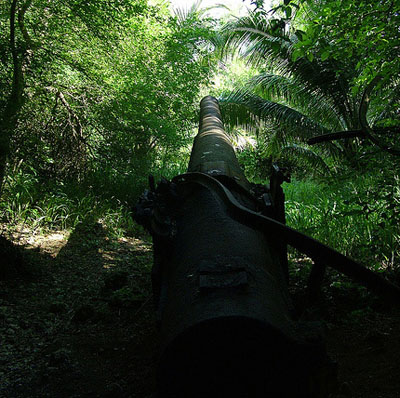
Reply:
x=324 y=55
x=301 y=35
x=355 y=90
x=297 y=54
x=310 y=56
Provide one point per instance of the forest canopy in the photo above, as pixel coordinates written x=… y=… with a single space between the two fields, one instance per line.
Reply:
x=98 y=87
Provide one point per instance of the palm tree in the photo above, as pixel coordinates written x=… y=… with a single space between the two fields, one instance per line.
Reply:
x=295 y=99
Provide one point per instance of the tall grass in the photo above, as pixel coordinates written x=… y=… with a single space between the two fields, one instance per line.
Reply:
x=360 y=216
x=106 y=194
x=27 y=201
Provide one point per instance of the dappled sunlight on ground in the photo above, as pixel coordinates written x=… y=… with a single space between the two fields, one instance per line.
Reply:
x=46 y=242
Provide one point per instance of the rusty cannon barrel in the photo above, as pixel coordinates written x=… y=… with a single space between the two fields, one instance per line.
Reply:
x=220 y=286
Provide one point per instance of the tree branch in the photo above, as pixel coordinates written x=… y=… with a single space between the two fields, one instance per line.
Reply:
x=334 y=136
x=76 y=125
x=21 y=24
x=349 y=134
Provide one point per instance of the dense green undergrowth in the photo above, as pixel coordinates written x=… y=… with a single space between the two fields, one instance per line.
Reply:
x=29 y=202
x=359 y=217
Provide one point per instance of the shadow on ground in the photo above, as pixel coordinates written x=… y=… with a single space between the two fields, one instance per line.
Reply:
x=82 y=324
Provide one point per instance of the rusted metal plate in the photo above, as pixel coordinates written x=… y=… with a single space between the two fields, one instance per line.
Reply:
x=215 y=168
x=223 y=280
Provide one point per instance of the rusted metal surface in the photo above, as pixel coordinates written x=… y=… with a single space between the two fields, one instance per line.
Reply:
x=226 y=320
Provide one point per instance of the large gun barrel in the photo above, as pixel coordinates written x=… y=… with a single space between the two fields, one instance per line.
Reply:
x=220 y=286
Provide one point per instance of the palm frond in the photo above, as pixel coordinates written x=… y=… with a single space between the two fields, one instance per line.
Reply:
x=253 y=38
x=238 y=116
x=250 y=37
x=287 y=90
x=305 y=158
x=183 y=13
x=274 y=143
x=244 y=108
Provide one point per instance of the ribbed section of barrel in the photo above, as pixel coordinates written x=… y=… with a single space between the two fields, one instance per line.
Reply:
x=212 y=151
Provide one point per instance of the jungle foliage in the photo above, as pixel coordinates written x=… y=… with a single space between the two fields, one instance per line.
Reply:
x=317 y=78
x=97 y=92
x=96 y=95
x=323 y=101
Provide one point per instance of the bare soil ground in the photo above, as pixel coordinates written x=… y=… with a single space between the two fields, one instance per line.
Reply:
x=82 y=324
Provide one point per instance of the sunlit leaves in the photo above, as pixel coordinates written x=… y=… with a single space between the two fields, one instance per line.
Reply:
x=364 y=31
x=130 y=73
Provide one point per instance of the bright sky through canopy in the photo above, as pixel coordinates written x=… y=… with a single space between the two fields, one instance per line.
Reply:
x=237 y=7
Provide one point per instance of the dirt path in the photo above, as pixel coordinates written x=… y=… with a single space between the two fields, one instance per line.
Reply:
x=82 y=325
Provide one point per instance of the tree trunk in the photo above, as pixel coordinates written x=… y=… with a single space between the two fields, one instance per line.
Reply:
x=9 y=118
